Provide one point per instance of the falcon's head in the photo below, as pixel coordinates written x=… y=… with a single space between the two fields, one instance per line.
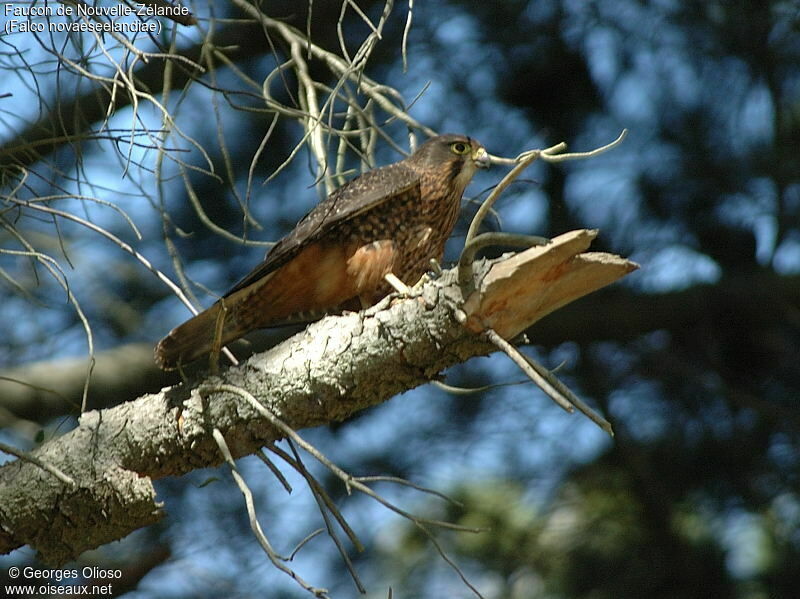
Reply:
x=459 y=154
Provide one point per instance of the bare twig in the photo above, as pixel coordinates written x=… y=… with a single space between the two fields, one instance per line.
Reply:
x=350 y=481
x=274 y=469
x=521 y=162
x=40 y=463
x=325 y=505
x=58 y=275
x=127 y=248
x=567 y=394
x=318 y=491
x=407 y=483
x=406 y=29
x=255 y=525
x=303 y=542
x=443 y=554
x=545 y=380
x=512 y=352
x=505 y=182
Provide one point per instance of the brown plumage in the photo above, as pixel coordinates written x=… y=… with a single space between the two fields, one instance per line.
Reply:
x=390 y=219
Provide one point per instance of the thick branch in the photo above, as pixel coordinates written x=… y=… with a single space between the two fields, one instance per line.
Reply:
x=335 y=368
x=44 y=390
x=612 y=314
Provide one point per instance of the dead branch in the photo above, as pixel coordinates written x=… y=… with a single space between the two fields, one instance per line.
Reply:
x=529 y=286
x=337 y=367
x=544 y=379
x=276 y=559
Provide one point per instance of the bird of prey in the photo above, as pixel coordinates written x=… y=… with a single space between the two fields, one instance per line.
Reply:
x=392 y=219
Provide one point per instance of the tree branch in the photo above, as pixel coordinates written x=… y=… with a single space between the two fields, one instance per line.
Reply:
x=615 y=314
x=41 y=391
x=335 y=368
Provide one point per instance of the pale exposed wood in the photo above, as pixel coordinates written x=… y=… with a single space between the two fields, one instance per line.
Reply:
x=529 y=285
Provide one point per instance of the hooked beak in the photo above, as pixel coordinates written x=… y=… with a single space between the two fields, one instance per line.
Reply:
x=481 y=158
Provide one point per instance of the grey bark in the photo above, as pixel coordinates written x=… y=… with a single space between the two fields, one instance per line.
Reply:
x=615 y=314
x=325 y=374
x=335 y=368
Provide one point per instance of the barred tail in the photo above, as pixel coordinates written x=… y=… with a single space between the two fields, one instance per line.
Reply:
x=193 y=338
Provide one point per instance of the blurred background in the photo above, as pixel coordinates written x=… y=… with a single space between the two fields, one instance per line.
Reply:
x=695 y=358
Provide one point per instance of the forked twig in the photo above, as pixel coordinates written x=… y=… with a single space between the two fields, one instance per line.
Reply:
x=484 y=209
x=326 y=504
x=296 y=463
x=350 y=481
x=443 y=554
x=543 y=378
x=521 y=162
x=547 y=381
x=567 y=393
x=408 y=483
x=521 y=360
x=276 y=559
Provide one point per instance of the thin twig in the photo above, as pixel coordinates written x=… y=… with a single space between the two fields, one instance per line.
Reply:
x=61 y=278
x=549 y=156
x=350 y=481
x=543 y=378
x=443 y=554
x=569 y=395
x=521 y=361
x=276 y=559
x=407 y=483
x=505 y=182
x=26 y=457
x=326 y=504
x=275 y=470
x=452 y=389
x=406 y=29
x=317 y=489
x=305 y=540
x=127 y=248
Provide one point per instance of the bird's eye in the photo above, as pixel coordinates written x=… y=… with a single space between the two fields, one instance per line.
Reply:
x=459 y=147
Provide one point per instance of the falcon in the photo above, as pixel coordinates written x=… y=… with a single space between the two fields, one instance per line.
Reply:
x=389 y=220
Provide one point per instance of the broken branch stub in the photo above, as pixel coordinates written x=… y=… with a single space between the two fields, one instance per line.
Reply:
x=528 y=286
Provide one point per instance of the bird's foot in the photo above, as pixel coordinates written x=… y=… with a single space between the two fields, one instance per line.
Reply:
x=406 y=292
x=403 y=289
x=398 y=285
